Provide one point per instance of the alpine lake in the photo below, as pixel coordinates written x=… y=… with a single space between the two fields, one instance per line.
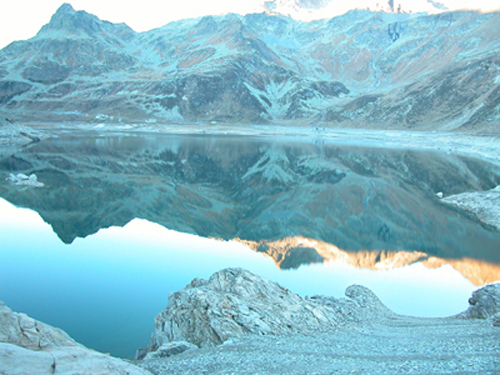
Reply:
x=123 y=219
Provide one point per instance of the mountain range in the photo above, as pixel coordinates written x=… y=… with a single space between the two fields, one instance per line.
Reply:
x=362 y=69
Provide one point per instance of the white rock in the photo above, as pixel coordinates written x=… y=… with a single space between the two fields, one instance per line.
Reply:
x=21 y=177
x=484 y=204
x=24 y=180
x=235 y=302
x=484 y=303
x=28 y=346
x=15 y=360
x=170 y=349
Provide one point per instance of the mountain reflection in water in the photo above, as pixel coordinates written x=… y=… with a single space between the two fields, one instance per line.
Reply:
x=106 y=289
x=258 y=189
x=299 y=202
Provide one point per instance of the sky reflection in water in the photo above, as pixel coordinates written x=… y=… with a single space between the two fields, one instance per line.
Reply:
x=106 y=289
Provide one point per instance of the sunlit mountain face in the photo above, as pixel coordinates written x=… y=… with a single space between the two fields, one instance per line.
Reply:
x=369 y=69
x=300 y=202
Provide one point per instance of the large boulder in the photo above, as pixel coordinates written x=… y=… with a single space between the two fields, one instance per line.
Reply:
x=28 y=346
x=484 y=303
x=235 y=302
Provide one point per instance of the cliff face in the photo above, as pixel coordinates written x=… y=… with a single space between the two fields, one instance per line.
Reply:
x=362 y=69
x=235 y=302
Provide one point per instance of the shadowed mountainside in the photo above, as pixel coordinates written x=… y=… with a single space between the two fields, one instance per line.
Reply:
x=362 y=69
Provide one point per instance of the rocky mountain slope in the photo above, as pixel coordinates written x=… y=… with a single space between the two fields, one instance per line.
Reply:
x=362 y=69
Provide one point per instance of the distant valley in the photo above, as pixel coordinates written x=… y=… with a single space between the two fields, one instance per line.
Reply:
x=362 y=69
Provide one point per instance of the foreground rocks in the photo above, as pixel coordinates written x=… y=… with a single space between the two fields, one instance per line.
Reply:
x=240 y=323
x=235 y=302
x=244 y=324
x=484 y=303
x=28 y=346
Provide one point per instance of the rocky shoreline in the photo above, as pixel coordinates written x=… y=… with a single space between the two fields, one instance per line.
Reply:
x=484 y=205
x=240 y=323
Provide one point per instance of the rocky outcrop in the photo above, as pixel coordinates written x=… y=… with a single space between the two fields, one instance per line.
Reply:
x=484 y=304
x=388 y=345
x=235 y=303
x=21 y=330
x=28 y=346
x=15 y=134
x=485 y=205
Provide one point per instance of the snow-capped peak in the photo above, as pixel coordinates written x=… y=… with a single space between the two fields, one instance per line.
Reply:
x=309 y=10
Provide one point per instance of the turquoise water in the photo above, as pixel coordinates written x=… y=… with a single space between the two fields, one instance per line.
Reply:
x=106 y=289
x=65 y=260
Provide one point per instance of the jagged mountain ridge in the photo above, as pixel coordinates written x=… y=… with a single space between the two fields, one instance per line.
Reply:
x=362 y=69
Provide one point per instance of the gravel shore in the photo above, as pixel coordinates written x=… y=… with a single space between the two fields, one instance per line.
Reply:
x=402 y=345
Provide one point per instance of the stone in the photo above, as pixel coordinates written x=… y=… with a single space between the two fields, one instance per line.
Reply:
x=23 y=180
x=28 y=346
x=171 y=348
x=21 y=330
x=484 y=303
x=495 y=320
x=484 y=205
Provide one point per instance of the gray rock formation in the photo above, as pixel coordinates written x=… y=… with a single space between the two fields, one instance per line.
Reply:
x=266 y=329
x=484 y=304
x=26 y=332
x=13 y=133
x=167 y=350
x=28 y=346
x=235 y=303
x=485 y=205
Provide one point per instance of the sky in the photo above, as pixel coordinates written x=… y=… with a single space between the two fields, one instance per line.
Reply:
x=22 y=19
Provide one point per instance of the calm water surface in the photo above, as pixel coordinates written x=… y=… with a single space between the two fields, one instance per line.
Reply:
x=78 y=257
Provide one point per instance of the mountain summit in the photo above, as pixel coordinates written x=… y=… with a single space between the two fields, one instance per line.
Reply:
x=361 y=69
x=70 y=21
x=67 y=20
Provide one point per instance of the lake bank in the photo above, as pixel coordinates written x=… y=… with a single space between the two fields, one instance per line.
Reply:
x=355 y=334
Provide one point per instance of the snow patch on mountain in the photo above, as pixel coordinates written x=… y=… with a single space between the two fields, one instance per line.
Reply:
x=273 y=166
x=310 y=10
